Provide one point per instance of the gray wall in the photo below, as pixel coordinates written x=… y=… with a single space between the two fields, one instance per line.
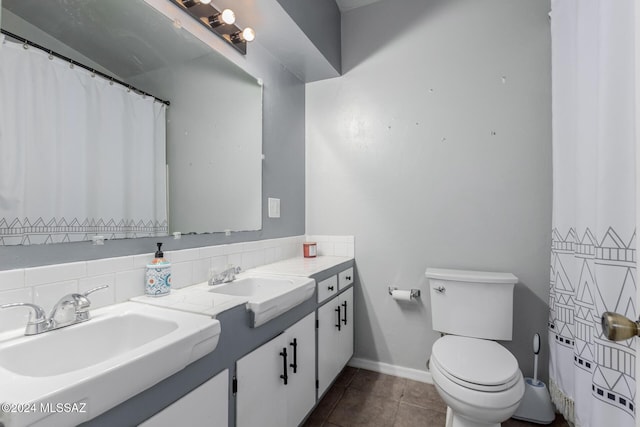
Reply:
x=320 y=21
x=425 y=154
x=282 y=177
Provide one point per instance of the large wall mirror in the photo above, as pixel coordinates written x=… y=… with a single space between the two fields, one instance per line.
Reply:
x=214 y=122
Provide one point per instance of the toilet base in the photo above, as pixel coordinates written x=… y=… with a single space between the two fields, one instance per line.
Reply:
x=455 y=420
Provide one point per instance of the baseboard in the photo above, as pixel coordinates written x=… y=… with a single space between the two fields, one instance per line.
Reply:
x=385 y=368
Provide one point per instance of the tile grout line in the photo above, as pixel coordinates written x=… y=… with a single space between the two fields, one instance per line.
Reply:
x=344 y=391
x=334 y=407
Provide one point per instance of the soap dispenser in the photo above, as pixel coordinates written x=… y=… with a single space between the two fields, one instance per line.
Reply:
x=158 y=275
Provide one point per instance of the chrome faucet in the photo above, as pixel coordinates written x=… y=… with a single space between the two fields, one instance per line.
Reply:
x=71 y=309
x=34 y=326
x=226 y=276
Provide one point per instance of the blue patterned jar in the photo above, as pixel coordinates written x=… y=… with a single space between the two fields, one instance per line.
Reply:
x=157 y=280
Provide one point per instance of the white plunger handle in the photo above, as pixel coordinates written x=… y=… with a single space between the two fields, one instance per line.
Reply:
x=536 y=350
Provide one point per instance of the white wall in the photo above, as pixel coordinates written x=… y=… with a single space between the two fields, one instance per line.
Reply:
x=434 y=149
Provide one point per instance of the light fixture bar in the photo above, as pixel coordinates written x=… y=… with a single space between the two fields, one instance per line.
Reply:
x=221 y=23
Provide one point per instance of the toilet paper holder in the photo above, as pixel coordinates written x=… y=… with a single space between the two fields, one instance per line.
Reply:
x=414 y=293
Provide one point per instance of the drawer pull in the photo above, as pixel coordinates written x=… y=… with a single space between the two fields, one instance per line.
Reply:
x=330 y=288
x=339 y=317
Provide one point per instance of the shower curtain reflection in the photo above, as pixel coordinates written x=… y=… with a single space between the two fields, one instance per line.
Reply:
x=78 y=156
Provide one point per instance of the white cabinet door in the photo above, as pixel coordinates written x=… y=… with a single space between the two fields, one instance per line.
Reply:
x=260 y=400
x=346 y=331
x=335 y=338
x=328 y=339
x=276 y=381
x=207 y=405
x=301 y=388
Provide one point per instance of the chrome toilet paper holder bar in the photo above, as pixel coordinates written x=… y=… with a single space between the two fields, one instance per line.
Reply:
x=415 y=293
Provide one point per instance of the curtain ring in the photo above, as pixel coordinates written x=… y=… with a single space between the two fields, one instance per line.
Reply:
x=129 y=88
x=51 y=55
x=93 y=73
x=111 y=81
x=25 y=45
x=71 y=64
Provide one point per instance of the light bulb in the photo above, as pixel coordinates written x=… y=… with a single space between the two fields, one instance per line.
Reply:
x=225 y=17
x=228 y=17
x=248 y=34
x=205 y=1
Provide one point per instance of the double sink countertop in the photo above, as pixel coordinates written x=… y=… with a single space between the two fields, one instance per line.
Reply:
x=199 y=299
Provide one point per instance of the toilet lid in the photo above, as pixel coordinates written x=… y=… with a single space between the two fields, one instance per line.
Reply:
x=473 y=361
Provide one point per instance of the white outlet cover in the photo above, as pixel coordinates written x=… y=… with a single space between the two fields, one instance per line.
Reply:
x=274 y=208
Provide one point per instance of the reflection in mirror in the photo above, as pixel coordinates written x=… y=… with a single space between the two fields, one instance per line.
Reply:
x=214 y=123
x=78 y=154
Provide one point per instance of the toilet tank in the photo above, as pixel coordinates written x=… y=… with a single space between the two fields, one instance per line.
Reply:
x=475 y=304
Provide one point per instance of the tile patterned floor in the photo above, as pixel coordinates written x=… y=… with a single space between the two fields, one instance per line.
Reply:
x=365 y=398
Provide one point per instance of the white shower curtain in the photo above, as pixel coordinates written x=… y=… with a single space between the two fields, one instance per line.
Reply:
x=78 y=156
x=592 y=380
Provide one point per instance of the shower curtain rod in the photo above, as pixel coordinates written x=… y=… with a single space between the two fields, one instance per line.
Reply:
x=76 y=63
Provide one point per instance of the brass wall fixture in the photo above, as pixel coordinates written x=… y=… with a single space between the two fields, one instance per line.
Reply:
x=617 y=327
x=221 y=23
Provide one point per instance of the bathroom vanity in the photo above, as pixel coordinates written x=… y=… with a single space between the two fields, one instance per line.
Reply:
x=268 y=375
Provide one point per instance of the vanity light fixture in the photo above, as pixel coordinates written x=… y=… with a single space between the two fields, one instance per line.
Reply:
x=220 y=23
x=225 y=17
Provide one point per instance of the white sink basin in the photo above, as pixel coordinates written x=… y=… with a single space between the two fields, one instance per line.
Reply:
x=123 y=350
x=269 y=296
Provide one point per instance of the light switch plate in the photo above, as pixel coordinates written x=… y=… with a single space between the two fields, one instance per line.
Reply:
x=274 y=208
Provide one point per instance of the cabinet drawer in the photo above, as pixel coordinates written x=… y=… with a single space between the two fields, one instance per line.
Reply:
x=327 y=288
x=345 y=278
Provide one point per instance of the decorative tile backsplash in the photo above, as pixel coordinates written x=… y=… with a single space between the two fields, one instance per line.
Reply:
x=125 y=275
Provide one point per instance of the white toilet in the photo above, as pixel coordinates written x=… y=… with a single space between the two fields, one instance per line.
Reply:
x=478 y=379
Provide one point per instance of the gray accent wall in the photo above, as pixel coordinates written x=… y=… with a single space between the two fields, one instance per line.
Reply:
x=434 y=150
x=320 y=21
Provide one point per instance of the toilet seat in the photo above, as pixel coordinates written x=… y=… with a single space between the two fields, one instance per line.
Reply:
x=476 y=364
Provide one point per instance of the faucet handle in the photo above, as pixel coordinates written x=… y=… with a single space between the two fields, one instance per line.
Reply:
x=83 y=301
x=98 y=288
x=34 y=326
x=237 y=269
